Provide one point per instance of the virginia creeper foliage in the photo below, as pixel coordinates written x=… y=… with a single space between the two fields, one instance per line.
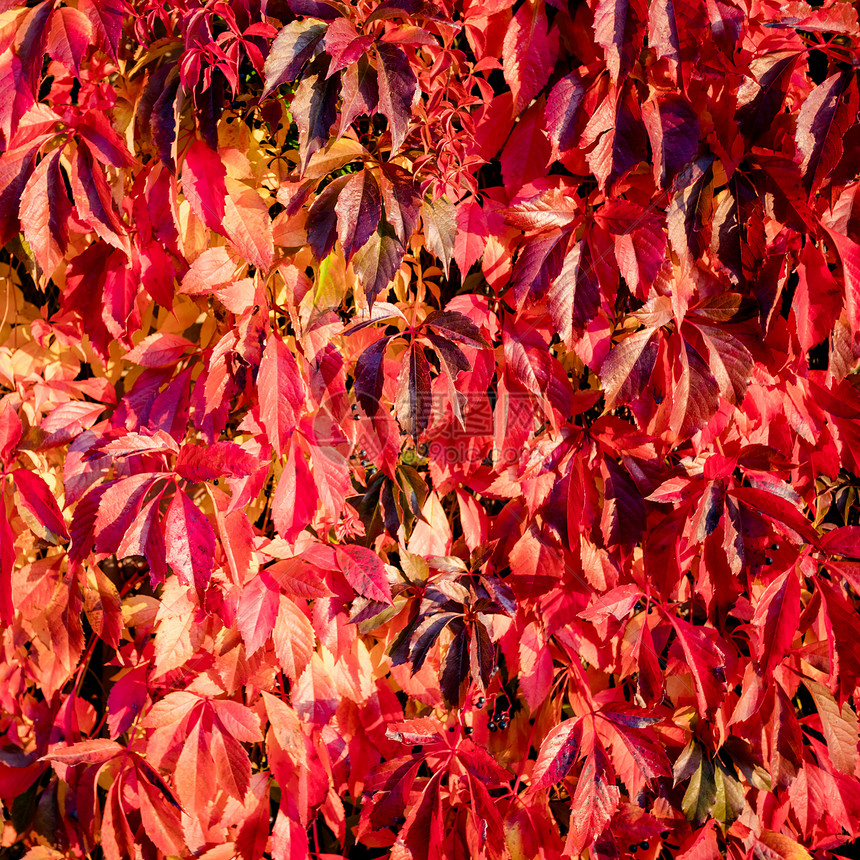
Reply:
x=429 y=429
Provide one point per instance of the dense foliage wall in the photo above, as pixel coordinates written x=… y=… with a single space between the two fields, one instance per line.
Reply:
x=429 y=429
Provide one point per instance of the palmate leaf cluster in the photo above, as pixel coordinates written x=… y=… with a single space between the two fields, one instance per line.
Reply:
x=429 y=430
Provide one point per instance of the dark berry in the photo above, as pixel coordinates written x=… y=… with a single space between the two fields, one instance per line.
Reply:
x=480 y=703
x=492 y=726
x=468 y=730
x=450 y=728
x=643 y=844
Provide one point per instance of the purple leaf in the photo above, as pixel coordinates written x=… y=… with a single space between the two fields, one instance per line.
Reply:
x=322 y=218
x=370 y=376
x=398 y=90
x=293 y=47
x=413 y=392
x=314 y=108
x=358 y=211
x=574 y=296
x=377 y=263
x=401 y=200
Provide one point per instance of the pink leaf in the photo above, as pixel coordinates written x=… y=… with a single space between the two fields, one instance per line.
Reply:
x=70 y=36
x=94 y=751
x=161 y=349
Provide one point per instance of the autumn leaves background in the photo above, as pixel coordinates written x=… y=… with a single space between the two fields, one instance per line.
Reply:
x=429 y=430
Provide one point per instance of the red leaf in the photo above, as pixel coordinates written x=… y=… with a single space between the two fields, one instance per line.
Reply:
x=594 y=802
x=195 y=775
x=673 y=129
x=44 y=213
x=401 y=200
x=159 y=812
x=674 y=27
x=94 y=201
x=527 y=153
x=640 y=242
x=253 y=836
x=822 y=121
x=842 y=541
x=344 y=45
x=365 y=572
x=247 y=224
x=779 y=509
x=314 y=108
x=223 y=459
x=189 y=541
x=377 y=263
x=281 y=391
x=574 y=295
x=256 y=613
x=294 y=502
x=529 y=53
x=619 y=30
x=126 y=700
x=212 y=269
x=627 y=369
x=38 y=507
x=839 y=726
x=7 y=565
x=558 y=752
x=776 y=615
x=294 y=639
x=314 y=695
x=106 y=18
x=705 y=659
x=472 y=233
x=413 y=392
x=203 y=184
x=817 y=300
x=440 y=229
x=562 y=113
x=120 y=502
